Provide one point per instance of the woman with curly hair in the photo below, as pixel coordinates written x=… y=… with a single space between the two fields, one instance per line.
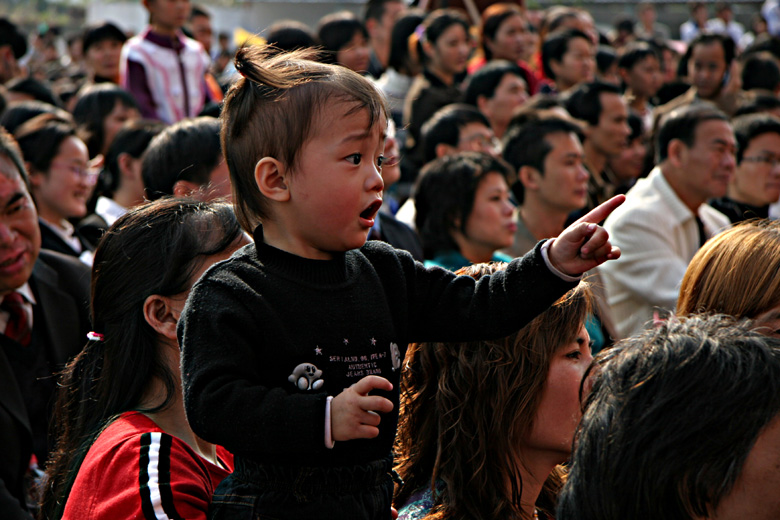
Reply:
x=484 y=425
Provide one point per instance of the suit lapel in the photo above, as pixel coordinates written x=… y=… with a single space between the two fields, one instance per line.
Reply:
x=10 y=396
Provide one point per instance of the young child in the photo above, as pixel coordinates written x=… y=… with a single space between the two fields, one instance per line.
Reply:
x=292 y=348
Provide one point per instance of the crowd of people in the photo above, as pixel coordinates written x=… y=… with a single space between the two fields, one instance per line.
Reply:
x=417 y=263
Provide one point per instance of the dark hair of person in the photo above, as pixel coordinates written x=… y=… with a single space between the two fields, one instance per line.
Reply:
x=445 y=125
x=670 y=420
x=636 y=52
x=132 y=139
x=747 y=128
x=100 y=32
x=188 y=150
x=10 y=150
x=681 y=124
x=436 y=23
x=492 y=19
x=624 y=23
x=95 y=103
x=584 y=103
x=538 y=105
x=707 y=38
x=556 y=45
x=466 y=409
x=274 y=109
x=39 y=90
x=199 y=10
x=527 y=145
x=18 y=113
x=290 y=35
x=375 y=9
x=764 y=43
x=756 y=105
x=40 y=139
x=759 y=72
x=401 y=58
x=605 y=58
x=636 y=125
x=444 y=196
x=335 y=32
x=152 y=249
x=485 y=81
x=10 y=35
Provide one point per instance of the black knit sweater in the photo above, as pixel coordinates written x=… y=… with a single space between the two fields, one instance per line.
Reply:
x=254 y=323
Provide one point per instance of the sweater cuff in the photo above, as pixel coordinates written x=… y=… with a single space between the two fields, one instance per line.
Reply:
x=329 y=442
x=546 y=256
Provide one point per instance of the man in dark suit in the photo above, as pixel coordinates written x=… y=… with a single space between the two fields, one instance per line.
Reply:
x=43 y=322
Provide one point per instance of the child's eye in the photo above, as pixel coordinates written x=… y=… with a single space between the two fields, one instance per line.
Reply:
x=355 y=158
x=381 y=161
x=575 y=354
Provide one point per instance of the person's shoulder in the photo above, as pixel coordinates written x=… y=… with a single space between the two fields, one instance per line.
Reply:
x=69 y=269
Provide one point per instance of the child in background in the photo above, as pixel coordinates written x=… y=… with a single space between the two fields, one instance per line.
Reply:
x=163 y=69
x=292 y=348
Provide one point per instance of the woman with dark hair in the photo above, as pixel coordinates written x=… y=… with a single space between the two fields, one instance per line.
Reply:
x=100 y=112
x=124 y=448
x=485 y=424
x=444 y=45
x=345 y=41
x=502 y=36
x=61 y=181
x=464 y=214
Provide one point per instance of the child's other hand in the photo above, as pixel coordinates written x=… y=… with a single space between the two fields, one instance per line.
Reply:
x=355 y=414
x=584 y=245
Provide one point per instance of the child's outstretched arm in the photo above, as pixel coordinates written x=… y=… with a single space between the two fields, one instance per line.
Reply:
x=585 y=244
x=355 y=414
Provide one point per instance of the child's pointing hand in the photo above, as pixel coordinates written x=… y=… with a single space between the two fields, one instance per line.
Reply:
x=584 y=245
x=355 y=414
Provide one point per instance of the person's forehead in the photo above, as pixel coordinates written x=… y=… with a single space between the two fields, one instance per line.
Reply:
x=711 y=50
x=563 y=143
x=472 y=129
x=611 y=103
x=10 y=175
x=713 y=130
x=761 y=139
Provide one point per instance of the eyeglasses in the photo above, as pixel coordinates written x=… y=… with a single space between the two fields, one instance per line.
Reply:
x=771 y=160
x=482 y=141
x=87 y=174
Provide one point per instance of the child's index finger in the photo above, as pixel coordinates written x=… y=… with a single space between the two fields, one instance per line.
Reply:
x=368 y=383
x=602 y=211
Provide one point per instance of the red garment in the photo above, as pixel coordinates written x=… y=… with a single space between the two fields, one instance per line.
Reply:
x=135 y=470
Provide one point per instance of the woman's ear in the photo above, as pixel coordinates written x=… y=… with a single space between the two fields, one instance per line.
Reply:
x=162 y=315
x=270 y=179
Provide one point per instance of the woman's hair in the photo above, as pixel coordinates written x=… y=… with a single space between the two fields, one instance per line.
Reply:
x=435 y=24
x=19 y=113
x=274 y=109
x=99 y=32
x=444 y=196
x=492 y=19
x=403 y=57
x=132 y=139
x=737 y=272
x=95 y=103
x=336 y=30
x=466 y=409
x=289 y=35
x=152 y=249
x=40 y=139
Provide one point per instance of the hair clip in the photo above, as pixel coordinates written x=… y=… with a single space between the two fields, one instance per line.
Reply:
x=420 y=33
x=94 y=336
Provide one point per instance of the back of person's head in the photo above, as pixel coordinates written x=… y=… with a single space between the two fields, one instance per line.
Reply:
x=670 y=420
x=584 y=103
x=445 y=125
x=485 y=81
x=755 y=105
x=764 y=43
x=492 y=17
x=11 y=36
x=33 y=88
x=153 y=249
x=444 y=196
x=22 y=111
x=100 y=32
x=681 y=124
x=40 y=139
x=636 y=52
x=132 y=139
x=274 y=109
x=527 y=145
x=186 y=151
x=336 y=30
x=290 y=35
x=468 y=408
x=735 y=272
x=94 y=105
x=759 y=72
x=606 y=57
x=556 y=45
x=402 y=59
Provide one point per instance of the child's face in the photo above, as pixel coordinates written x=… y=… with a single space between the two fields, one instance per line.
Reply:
x=168 y=14
x=336 y=190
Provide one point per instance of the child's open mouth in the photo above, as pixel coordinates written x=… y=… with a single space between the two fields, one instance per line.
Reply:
x=370 y=212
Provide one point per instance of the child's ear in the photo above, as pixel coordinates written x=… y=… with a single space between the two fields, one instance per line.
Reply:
x=162 y=315
x=270 y=179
